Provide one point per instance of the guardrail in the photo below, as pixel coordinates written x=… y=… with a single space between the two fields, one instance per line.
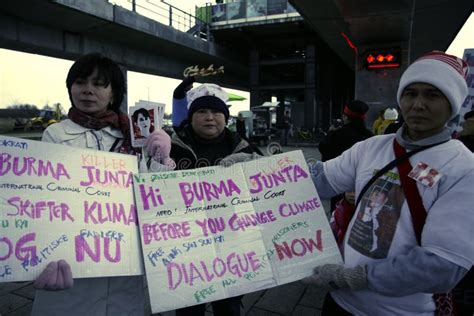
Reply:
x=167 y=14
x=246 y=11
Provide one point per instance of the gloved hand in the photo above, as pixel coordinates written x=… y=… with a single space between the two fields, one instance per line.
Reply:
x=334 y=277
x=158 y=146
x=169 y=163
x=238 y=157
x=56 y=276
x=183 y=87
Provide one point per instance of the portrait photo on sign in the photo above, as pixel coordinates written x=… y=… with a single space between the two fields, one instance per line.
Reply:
x=145 y=117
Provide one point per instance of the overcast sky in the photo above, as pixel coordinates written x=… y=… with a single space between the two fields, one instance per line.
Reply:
x=40 y=80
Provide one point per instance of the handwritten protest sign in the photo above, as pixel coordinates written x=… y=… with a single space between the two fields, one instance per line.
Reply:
x=212 y=233
x=61 y=202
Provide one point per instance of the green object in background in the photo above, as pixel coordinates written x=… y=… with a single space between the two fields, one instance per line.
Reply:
x=235 y=97
x=204 y=13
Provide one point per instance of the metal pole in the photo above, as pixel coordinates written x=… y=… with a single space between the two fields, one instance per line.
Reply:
x=134 y=6
x=412 y=17
x=171 y=16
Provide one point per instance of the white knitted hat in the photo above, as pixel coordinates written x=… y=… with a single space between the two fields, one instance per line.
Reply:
x=209 y=96
x=207 y=89
x=390 y=114
x=446 y=72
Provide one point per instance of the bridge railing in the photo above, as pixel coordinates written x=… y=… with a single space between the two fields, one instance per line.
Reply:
x=167 y=14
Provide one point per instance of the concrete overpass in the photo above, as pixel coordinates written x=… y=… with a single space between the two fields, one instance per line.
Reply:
x=413 y=26
x=70 y=28
x=269 y=58
x=307 y=62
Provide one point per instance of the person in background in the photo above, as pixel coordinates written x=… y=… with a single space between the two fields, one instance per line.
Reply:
x=467 y=134
x=413 y=259
x=352 y=130
x=393 y=128
x=390 y=116
x=339 y=139
x=204 y=140
x=378 y=121
x=285 y=128
x=240 y=125
x=96 y=88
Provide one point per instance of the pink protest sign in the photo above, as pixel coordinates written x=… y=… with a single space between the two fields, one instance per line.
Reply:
x=212 y=233
x=61 y=202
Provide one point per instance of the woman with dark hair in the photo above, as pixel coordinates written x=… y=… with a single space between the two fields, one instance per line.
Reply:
x=141 y=118
x=96 y=87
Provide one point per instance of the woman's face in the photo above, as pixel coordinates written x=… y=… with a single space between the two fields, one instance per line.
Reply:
x=143 y=122
x=90 y=96
x=207 y=123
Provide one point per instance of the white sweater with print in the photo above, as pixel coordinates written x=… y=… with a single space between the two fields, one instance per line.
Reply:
x=448 y=231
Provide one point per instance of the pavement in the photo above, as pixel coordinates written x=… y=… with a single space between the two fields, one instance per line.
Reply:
x=16 y=299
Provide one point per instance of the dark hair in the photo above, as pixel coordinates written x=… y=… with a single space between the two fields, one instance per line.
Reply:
x=107 y=70
x=359 y=108
x=141 y=111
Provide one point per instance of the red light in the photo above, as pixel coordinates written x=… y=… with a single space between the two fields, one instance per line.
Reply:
x=349 y=42
x=388 y=58
x=384 y=66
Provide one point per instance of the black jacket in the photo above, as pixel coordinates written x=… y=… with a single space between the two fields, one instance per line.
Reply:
x=338 y=141
x=190 y=152
x=468 y=141
x=240 y=125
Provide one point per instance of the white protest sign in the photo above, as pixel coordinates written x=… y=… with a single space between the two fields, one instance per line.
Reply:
x=456 y=124
x=468 y=104
x=61 y=202
x=212 y=233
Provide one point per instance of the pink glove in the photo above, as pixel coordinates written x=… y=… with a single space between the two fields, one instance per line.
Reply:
x=158 y=146
x=168 y=162
x=56 y=276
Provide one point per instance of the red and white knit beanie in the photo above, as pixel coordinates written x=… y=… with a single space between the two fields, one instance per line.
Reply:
x=446 y=72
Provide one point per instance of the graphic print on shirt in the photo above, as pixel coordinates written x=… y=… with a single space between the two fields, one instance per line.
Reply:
x=377 y=217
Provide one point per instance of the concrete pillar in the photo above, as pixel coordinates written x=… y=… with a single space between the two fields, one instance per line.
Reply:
x=254 y=70
x=281 y=106
x=378 y=87
x=124 y=105
x=310 y=101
